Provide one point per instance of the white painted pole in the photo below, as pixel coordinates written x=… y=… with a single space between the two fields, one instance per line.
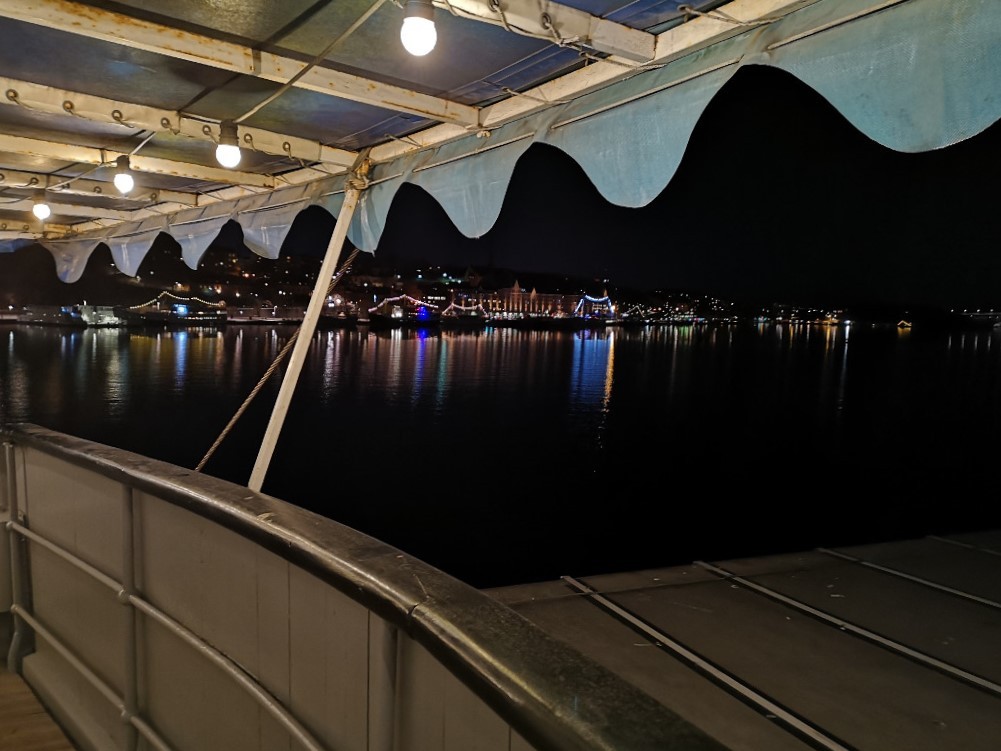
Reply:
x=309 y=321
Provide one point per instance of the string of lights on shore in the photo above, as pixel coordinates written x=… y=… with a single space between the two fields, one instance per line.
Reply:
x=464 y=308
x=407 y=298
x=606 y=300
x=165 y=293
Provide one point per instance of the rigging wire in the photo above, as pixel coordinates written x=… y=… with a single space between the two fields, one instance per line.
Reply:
x=718 y=15
x=271 y=369
x=71 y=180
x=319 y=58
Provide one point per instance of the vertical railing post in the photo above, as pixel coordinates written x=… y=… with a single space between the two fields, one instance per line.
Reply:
x=14 y=654
x=8 y=467
x=5 y=585
x=131 y=687
x=383 y=683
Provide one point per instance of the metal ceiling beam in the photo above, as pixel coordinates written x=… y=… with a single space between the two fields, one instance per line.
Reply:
x=89 y=155
x=69 y=209
x=98 y=109
x=558 y=23
x=55 y=183
x=672 y=44
x=118 y=28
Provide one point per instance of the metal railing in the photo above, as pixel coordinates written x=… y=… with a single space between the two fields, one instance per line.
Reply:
x=127 y=705
x=124 y=591
x=554 y=697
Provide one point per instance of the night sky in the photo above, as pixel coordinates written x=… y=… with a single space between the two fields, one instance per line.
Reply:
x=778 y=198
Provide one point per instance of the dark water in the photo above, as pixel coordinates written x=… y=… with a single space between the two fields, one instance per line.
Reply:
x=508 y=456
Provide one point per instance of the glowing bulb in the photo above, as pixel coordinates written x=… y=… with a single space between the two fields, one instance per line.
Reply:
x=418 y=33
x=123 y=175
x=41 y=210
x=227 y=153
x=124 y=182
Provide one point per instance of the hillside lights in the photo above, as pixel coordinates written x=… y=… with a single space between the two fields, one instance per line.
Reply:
x=227 y=153
x=418 y=33
x=41 y=208
x=123 y=175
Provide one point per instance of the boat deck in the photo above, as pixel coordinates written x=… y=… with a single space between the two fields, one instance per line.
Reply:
x=893 y=645
x=24 y=723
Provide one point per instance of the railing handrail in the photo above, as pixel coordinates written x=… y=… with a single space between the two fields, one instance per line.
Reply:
x=551 y=694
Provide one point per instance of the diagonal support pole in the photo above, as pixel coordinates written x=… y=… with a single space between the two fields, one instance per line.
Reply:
x=309 y=321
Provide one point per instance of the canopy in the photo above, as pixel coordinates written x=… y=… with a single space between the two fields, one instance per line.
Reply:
x=323 y=96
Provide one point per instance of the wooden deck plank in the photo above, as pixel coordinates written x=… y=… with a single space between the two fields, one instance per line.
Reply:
x=24 y=723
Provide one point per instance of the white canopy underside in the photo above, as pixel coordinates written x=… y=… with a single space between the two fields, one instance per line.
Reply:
x=913 y=75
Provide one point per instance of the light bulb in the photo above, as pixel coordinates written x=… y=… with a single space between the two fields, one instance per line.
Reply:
x=227 y=153
x=41 y=210
x=418 y=33
x=124 y=182
x=123 y=175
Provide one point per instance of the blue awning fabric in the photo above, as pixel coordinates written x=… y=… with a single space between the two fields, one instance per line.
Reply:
x=912 y=75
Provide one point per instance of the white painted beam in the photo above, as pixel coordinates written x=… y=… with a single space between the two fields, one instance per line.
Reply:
x=305 y=334
x=268 y=142
x=84 y=187
x=140 y=195
x=89 y=155
x=559 y=22
x=140 y=117
x=17 y=231
x=95 y=23
x=69 y=209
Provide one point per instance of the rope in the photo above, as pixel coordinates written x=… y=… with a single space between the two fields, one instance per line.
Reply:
x=495 y=6
x=513 y=92
x=718 y=15
x=269 y=372
x=405 y=140
x=562 y=41
x=359 y=178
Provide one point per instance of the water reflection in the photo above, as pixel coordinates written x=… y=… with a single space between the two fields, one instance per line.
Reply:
x=116 y=367
x=503 y=426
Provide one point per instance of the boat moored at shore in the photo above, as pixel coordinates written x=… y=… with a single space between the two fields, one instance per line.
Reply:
x=74 y=316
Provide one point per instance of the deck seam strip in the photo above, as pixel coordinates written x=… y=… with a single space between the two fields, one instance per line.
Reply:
x=871 y=636
x=966 y=545
x=787 y=719
x=911 y=577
